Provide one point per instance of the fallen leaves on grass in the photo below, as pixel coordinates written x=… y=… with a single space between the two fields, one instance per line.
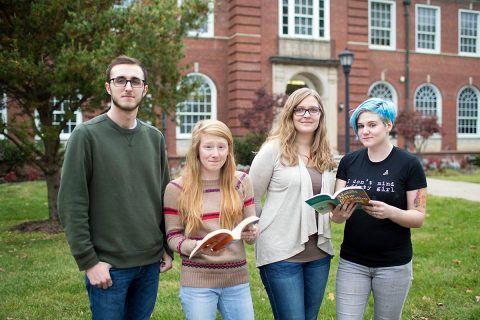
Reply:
x=331 y=296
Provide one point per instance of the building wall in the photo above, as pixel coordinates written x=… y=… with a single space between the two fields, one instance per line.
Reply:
x=447 y=70
x=251 y=34
x=239 y=60
x=246 y=53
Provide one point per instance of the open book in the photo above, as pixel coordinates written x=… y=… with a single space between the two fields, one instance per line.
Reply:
x=324 y=202
x=220 y=238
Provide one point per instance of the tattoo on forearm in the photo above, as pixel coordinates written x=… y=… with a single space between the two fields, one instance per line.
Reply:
x=420 y=198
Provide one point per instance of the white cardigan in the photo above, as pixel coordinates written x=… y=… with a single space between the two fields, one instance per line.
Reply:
x=286 y=221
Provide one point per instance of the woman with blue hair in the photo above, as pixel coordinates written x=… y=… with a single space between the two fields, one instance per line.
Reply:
x=376 y=253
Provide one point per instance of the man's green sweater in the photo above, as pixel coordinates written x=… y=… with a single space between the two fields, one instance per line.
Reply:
x=111 y=194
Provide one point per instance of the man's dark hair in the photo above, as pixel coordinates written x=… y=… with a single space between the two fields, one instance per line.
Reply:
x=123 y=59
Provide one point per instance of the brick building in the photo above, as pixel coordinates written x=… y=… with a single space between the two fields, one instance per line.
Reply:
x=283 y=44
x=248 y=44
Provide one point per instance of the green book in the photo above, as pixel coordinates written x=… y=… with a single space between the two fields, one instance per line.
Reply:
x=324 y=202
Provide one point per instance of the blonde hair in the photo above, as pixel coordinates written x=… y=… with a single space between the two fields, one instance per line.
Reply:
x=285 y=132
x=191 y=199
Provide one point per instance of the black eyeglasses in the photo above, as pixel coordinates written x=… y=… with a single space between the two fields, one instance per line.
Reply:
x=313 y=111
x=122 y=82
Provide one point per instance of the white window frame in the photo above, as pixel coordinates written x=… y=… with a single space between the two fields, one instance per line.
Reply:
x=315 y=21
x=469 y=135
x=63 y=135
x=213 y=105
x=438 y=31
x=124 y=4
x=77 y=121
x=390 y=87
x=3 y=110
x=210 y=22
x=439 y=100
x=477 y=49
x=393 y=26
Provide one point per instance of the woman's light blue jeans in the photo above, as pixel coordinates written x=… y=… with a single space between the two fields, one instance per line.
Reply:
x=389 y=285
x=295 y=289
x=234 y=303
x=132 y=295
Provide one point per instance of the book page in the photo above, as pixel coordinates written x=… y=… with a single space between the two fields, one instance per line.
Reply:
x=215 y=240
x=219 y=239
x=237 y=231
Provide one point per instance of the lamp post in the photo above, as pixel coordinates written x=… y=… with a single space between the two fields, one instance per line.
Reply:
x=346 y=60
x=406 y=5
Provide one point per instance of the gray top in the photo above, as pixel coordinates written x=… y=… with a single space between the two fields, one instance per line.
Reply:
x=286 y=221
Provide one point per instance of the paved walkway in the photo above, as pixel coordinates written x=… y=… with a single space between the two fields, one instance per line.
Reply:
x=453 y=189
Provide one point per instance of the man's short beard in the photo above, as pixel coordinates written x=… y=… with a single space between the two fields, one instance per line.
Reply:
x=119 y=106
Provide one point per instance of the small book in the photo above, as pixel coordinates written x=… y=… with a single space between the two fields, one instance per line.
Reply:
x=220 y=238
x=324 y=202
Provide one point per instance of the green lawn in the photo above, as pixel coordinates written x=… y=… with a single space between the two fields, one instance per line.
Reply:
x=39 y=279
x=456 y=175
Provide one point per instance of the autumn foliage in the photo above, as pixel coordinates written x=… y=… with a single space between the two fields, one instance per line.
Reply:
x=259 y=118
x=416 y=128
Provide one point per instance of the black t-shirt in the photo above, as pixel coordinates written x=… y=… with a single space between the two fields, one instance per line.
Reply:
x=379 y=242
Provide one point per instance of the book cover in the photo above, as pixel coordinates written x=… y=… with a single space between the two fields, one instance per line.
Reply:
x=324 y=202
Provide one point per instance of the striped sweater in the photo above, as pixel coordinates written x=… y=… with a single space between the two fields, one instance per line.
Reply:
x=228 y=268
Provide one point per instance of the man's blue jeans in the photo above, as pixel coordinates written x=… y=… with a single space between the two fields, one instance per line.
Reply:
x=132 y=295
x=295 y=290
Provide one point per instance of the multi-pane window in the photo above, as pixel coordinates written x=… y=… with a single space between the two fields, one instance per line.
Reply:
x=58 y=115
x=468 y=33
x=199 y=105
x=206 y=29
x=428 y=101
x=468 y=115
x=3 y=107
x=381 y=24
x=122 y=4
x=383 y=90
x=428 y=28
x=3 y=110
x=304 y=18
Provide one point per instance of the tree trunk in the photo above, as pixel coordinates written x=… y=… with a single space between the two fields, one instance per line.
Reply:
x=53 y=184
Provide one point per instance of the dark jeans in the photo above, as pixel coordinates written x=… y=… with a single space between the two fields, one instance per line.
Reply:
x=131 y=296
x=295 y=290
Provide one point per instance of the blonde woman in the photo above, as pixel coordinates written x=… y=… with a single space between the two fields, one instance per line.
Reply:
x=211 y=194
x=293 y=249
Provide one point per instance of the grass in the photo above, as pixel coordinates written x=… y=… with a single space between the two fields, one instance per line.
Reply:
x=39 y=279
x=472 y=175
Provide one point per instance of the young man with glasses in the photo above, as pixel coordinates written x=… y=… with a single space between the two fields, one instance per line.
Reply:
x=110 y=200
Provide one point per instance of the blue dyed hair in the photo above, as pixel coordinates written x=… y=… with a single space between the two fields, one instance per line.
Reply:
x=384 y=108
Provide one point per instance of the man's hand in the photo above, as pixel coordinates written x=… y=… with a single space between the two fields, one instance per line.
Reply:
x=166 y=263
x=99 y=275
